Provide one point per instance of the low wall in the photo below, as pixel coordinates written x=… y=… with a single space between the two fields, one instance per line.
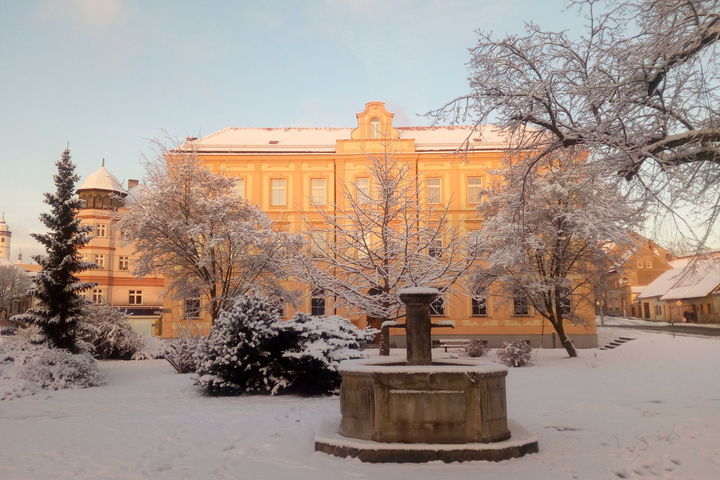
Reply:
x=494 y=341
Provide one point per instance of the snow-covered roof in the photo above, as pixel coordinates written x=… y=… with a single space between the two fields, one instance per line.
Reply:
x=133 y=193
x=101 y=179
x=699 y=282
x=686 y=280
x=665 y=281
x=323 y=140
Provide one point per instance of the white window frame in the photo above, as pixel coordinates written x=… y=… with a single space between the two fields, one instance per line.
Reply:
x=135 y=297
x=100 y=230
x=479 y=295
x=474 y=189
x=362 y=189
x=100 y=260
x=124 y=262
x=98 y=295
x=318 y=191
x=434 y=190
x=240 y=187
x=375 y=128
x=278 y=192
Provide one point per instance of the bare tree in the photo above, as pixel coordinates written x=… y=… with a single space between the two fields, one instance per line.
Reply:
x=380 y=239
x=187 y=223
x=549 y=237
x=14 y=285
x=640 y=91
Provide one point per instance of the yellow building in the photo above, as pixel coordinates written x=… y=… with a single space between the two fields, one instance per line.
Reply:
x=287 y=172
x=640 y=265
x=141 y=298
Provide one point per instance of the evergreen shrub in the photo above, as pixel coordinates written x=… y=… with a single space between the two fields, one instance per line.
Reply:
x=251 y=350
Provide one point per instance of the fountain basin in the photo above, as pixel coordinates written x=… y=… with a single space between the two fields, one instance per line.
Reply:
x=447 y=402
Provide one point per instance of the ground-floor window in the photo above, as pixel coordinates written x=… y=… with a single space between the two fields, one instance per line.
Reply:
x=317 y=302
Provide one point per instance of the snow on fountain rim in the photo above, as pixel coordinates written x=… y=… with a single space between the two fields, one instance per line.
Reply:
x=418 y=291
x=390 y=365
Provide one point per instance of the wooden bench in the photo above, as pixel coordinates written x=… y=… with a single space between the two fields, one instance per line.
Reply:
x=459 y=343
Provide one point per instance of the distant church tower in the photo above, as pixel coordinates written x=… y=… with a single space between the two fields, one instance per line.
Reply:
x=5 y=235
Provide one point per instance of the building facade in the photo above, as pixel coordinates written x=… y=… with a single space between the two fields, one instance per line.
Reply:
x=642 y=263
x=5 y=238
x=687 y=293
x=291 y=172
x=105 y=199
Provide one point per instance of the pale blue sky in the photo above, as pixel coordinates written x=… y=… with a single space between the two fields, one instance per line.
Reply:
x=107 y=75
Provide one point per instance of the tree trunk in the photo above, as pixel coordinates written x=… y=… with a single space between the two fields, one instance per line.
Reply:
x=564 y=340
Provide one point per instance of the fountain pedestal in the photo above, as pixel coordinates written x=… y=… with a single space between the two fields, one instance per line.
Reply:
x=458 y=402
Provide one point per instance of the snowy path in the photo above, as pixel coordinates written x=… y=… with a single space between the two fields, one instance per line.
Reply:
x=649 y=409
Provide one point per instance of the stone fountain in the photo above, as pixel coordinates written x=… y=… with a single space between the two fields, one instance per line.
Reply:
x=423 y=410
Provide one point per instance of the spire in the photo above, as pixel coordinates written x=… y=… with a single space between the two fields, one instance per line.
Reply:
x=103 y=163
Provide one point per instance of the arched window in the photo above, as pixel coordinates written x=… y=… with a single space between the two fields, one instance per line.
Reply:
x=375 y=128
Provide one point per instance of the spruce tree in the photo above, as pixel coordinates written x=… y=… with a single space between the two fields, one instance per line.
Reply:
x=56 y=288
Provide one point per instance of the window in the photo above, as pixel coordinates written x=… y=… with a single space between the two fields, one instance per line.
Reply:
x=124 y=262
x=192 y=308
x=99 y=230
x=639 y=264
x=709 y=308
x=318 y=193
x=435 y=250
x=474 y=189
x=437 y=307
x=479 y=302
x=240 y=187
x=317 y=302
x=318 y=242
x=278 y=192
x=375 y=128
x=648 y=264
x=97 y=295
x=434 y=190
x=362 y=186
x=520 y=304
x=135 y=297
x=100 y=260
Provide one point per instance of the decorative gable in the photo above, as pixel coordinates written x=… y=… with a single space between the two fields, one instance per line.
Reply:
x=375 y=133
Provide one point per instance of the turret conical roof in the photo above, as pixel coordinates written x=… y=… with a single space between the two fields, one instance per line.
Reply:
x=101 y=179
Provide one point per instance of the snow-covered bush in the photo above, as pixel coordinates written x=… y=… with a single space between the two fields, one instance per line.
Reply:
x=313 y=348
x=181 y=351
x=475 y=348
x=250 y=350
x=56 y=369
x=515 y=354
x=153 y=347
x=242 y=354
x=26 y=368
x=108 y=333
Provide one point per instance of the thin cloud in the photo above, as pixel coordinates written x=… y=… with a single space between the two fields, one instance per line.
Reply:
x=94 y=15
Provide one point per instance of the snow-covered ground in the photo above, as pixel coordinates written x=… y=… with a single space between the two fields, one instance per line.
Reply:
x=648 y=409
